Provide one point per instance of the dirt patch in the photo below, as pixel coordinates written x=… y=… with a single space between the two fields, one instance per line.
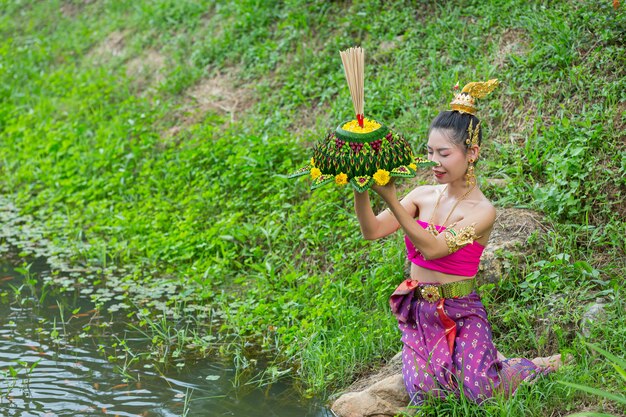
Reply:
x=112 y=46
x=220 y=94
x=519 y=116
x=512 y=42
x=69 y=10
x=72 y=8
x=146 y=70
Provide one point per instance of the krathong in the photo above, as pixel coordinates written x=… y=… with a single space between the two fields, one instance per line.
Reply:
x=360 y=152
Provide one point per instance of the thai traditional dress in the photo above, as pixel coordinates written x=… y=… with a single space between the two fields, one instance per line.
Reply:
x=448 y=346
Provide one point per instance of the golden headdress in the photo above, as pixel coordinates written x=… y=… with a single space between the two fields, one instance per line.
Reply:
x=465 y=101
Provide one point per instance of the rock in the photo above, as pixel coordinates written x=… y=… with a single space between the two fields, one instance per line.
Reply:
x=594 y=312
x=385 y=398
x=511 y=232
x=391 y=390
x=377 y=395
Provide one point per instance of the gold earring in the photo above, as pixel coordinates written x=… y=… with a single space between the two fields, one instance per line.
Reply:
x=470 y=177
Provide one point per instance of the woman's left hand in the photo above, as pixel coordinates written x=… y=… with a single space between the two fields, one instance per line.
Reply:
x=387 y=192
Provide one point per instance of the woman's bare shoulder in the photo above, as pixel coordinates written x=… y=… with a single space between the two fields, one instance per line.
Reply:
x=486 y=209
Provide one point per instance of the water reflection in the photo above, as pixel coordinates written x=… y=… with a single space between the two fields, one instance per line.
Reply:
x=49 y=368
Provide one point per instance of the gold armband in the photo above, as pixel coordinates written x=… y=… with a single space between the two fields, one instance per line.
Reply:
x=456 y=240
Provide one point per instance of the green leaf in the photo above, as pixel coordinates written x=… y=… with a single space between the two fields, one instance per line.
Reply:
x=618 y=398
x=620 y=371
x=608 y=355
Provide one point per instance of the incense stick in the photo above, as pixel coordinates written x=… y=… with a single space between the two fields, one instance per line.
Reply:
x=353 y=65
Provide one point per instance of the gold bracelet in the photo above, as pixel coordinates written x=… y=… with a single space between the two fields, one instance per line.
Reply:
x=456 y=240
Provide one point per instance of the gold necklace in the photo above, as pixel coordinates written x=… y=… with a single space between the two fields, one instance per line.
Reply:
x=431 y=227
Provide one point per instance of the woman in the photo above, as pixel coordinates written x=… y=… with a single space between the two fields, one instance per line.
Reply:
x=447 y=339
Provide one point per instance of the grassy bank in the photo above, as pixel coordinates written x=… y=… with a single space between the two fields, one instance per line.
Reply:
x=156 y=135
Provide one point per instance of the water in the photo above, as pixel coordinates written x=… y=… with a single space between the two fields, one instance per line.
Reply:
x=50 y=367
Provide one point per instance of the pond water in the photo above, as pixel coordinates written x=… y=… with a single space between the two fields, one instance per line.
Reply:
x=50 y=367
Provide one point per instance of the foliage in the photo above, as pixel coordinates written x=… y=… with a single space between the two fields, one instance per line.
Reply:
x=620 y=367
x=108 y=143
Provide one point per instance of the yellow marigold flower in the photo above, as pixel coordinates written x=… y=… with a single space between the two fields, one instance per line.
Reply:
x=381 y=177
x=315 y=173
x=341 y=179
x=368 y=126
x=312 y=162
x=413 y=166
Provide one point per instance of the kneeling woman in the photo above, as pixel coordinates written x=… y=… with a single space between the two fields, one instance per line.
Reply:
x=447 y=338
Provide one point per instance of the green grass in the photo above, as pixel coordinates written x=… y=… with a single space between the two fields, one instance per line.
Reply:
x=120 y=167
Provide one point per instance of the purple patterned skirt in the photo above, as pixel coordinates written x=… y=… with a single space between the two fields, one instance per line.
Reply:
x=448 y=346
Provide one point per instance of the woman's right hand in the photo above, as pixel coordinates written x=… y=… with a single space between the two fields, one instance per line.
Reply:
x=387 y=192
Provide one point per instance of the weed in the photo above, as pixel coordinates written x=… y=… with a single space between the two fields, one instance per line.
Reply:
x=116 y=171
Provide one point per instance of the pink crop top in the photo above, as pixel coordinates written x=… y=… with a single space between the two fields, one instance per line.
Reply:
x=463 y=262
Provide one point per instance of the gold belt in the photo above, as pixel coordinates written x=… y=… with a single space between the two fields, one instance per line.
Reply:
x=432 y=293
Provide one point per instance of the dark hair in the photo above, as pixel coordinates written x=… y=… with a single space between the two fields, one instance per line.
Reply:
x=457 y=123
